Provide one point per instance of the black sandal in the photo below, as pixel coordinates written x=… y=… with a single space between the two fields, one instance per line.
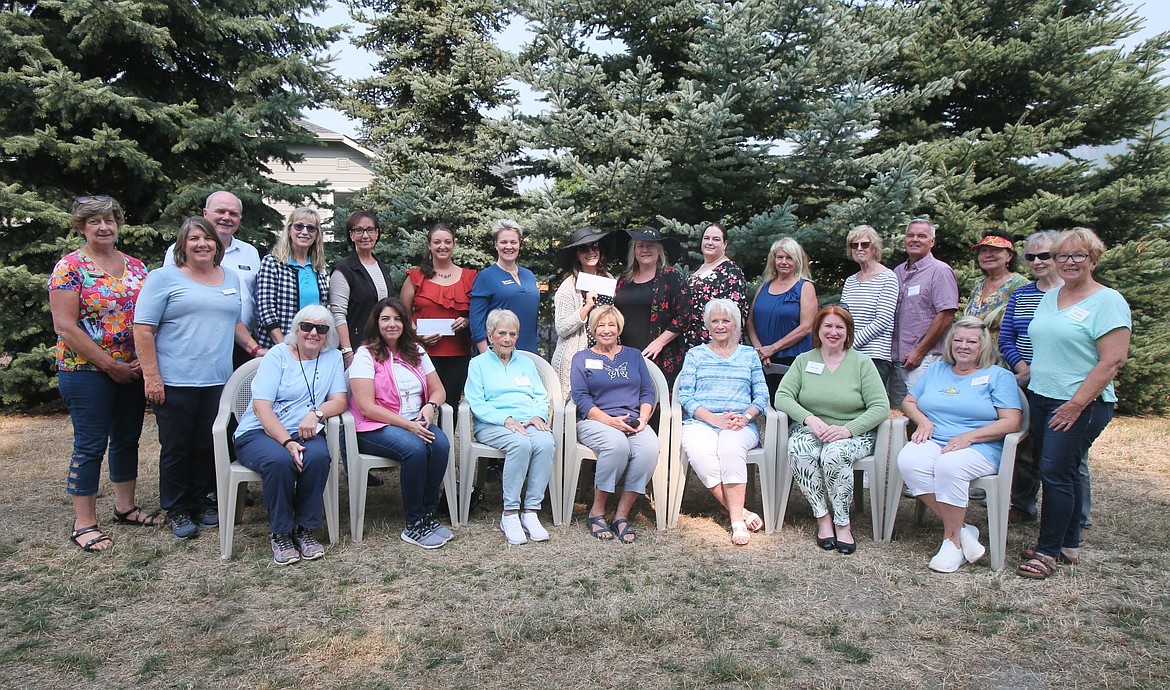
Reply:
x=621 y=529
x=151 y=520
x=599 y=529
x=89 y=546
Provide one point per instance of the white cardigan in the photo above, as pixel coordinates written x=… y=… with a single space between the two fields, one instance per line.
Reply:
x=571 y=332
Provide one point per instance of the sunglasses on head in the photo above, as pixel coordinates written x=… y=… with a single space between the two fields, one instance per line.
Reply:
x=307 y=327
x=860 y=245
x=1043 y=256
x=305 y=227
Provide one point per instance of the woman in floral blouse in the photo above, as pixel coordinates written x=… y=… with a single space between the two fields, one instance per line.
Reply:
x=718 y=278
x=997 y=258
x=653 y=300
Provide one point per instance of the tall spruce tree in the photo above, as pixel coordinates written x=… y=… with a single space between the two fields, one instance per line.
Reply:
x=1052 y=124
x=425 y=112
x=154 y=103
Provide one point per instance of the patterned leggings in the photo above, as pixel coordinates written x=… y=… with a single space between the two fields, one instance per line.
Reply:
x=824 y=471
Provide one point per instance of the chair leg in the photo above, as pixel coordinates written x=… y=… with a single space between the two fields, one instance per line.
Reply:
x=227 y=519
x=997 y=524
x=678 y=486
x=450 y=489
x=768 y=498
x=569 y=490
x=466 y=484
x=332 y=519
x=875 y=508
x=358 y=486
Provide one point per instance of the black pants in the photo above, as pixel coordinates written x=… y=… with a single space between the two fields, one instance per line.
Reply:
x=186 y=464
x=452 y=372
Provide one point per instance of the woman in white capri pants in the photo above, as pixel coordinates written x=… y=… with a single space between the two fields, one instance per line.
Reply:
x=722 y=391
x=962 y=406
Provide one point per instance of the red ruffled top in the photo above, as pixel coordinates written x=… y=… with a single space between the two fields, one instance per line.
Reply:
x=434 y=301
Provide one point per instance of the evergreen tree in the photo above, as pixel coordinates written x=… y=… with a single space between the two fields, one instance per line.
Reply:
x=157 y=104
x=425 y=113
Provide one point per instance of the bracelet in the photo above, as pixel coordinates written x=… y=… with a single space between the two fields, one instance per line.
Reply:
x=346 y=350
x=288 y=441
x=254 y=350
x=433 y=404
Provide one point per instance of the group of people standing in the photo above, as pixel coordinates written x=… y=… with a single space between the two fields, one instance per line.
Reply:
x=347 y=340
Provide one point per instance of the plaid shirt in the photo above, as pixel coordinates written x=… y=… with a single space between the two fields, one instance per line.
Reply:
x=278 y=297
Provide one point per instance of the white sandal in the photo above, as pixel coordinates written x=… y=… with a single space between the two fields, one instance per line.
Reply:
x=740 y=536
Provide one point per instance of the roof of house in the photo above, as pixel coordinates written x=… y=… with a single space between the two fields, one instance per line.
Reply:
x=328 y=135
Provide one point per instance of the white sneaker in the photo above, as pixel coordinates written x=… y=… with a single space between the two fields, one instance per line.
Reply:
x=512 y=529
x=969 y=538
x=531 y=522
x=948 y=559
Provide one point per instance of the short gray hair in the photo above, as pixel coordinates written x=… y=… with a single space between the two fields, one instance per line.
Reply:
x=499 y=317
x=1048 y=237
x=727 y=306
x=317 y=314
x=925 y=221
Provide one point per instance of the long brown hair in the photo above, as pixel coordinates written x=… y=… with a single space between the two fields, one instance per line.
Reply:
x=427 y=265
x=408 y=343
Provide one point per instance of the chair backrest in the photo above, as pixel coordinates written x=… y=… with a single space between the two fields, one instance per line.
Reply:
x=237 y=392
x=548 y=378
x=661 y=391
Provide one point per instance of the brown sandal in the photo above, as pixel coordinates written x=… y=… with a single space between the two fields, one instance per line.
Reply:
x=1063 y=558
x=1041 y=567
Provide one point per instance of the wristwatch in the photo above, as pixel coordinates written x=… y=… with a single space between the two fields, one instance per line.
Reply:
x=346 y=350
x=320 y=414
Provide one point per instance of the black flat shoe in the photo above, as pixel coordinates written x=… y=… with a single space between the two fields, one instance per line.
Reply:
x=846 y=547
x=827 y=543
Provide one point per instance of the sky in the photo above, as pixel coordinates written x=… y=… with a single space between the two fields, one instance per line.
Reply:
x=352 y=63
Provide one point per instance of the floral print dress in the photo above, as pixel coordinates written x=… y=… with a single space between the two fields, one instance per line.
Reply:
x=725 y=281
x=668 y=312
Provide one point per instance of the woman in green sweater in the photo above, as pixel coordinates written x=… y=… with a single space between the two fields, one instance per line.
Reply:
x=835 y=399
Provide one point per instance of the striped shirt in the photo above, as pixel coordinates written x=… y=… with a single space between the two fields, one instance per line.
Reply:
x=1014 y=343
x=872 y=304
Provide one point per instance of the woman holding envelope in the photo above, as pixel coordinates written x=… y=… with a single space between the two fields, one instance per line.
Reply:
x=438 y=295
x=582 y=262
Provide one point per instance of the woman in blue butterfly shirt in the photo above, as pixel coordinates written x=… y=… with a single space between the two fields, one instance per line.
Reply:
x=962 y=406
x=614 y=395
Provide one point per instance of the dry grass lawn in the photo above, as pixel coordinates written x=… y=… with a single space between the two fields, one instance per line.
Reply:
x=679 y=609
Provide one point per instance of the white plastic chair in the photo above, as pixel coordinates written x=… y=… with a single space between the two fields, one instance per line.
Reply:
x=229 y=474
x=575 y=452
x=998 y=487
x=470 y=450
x=762 y=456
x=358 y=466
x=874 y=465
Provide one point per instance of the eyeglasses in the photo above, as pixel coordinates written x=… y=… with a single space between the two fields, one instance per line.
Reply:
x=860 y=245
x=364 y=231
x=1042 y=256
x=588 y=248
x=1078 y=258
x=307 y=327
x=305 y=227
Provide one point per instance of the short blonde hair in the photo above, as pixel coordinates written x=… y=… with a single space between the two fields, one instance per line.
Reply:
x=792 y=248
x=503 y=225
x=606 y=310
x=1080 y=237
x=987 y=352
x=865 y=232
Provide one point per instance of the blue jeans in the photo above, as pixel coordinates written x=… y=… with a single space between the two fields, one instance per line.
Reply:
x=186 y=461
x=104 y=413
x=293 y=498
x=422 y=465
x=1060 y=454
x=527 y=462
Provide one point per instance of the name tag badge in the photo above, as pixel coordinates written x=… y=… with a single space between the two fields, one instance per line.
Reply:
x=593 y=364
x=1078 y=314
x=980 y=380
x=523 y=381
x=229 y=291
x=814 y=367
x=509 y=281
x=244 y=267
x=913 y=290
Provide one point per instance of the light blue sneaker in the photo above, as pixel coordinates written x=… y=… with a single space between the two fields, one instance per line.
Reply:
x=183 y=527
x=445 y=534
x=423 y=534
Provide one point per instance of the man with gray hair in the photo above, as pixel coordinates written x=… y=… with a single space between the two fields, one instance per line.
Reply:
x=928 y=297
x=225 y=211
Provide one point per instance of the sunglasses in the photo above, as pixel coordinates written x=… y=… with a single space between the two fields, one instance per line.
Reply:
x=307 y=327
x=591 y=247
x=1043 y=256
x=1078 y=258
x=859 y=245
x=304 y=227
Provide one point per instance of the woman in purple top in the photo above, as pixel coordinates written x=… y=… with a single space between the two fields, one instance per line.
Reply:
x=780 y=322
x=614 y=394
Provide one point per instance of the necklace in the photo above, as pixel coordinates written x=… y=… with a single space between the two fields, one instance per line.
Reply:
x=446 y=276
x=316 y=363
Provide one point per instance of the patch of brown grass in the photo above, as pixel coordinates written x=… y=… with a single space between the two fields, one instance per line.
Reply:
x=679 y=609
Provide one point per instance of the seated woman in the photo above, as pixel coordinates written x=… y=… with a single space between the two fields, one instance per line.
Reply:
x=300 y=383
x=721 y=389
x=509 y=405
x=614 y=395
x=962 y=406
x=835 y=398
x=395 y=402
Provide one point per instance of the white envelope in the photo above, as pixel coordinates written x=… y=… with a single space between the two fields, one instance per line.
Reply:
x=435 y=326
x=587 y=282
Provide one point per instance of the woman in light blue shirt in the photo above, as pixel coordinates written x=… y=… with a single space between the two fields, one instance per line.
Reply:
x=510 y=406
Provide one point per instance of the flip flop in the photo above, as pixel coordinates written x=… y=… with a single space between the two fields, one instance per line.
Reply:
x=754 y=522
x=599 y=529
x=621 y=529
x=91 y=545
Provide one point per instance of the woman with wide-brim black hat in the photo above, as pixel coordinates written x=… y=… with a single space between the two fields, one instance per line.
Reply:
x=652 y=297
x=580 y=254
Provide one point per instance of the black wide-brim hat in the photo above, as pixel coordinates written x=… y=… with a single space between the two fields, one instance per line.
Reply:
x=617 y=243
x=580 y=236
